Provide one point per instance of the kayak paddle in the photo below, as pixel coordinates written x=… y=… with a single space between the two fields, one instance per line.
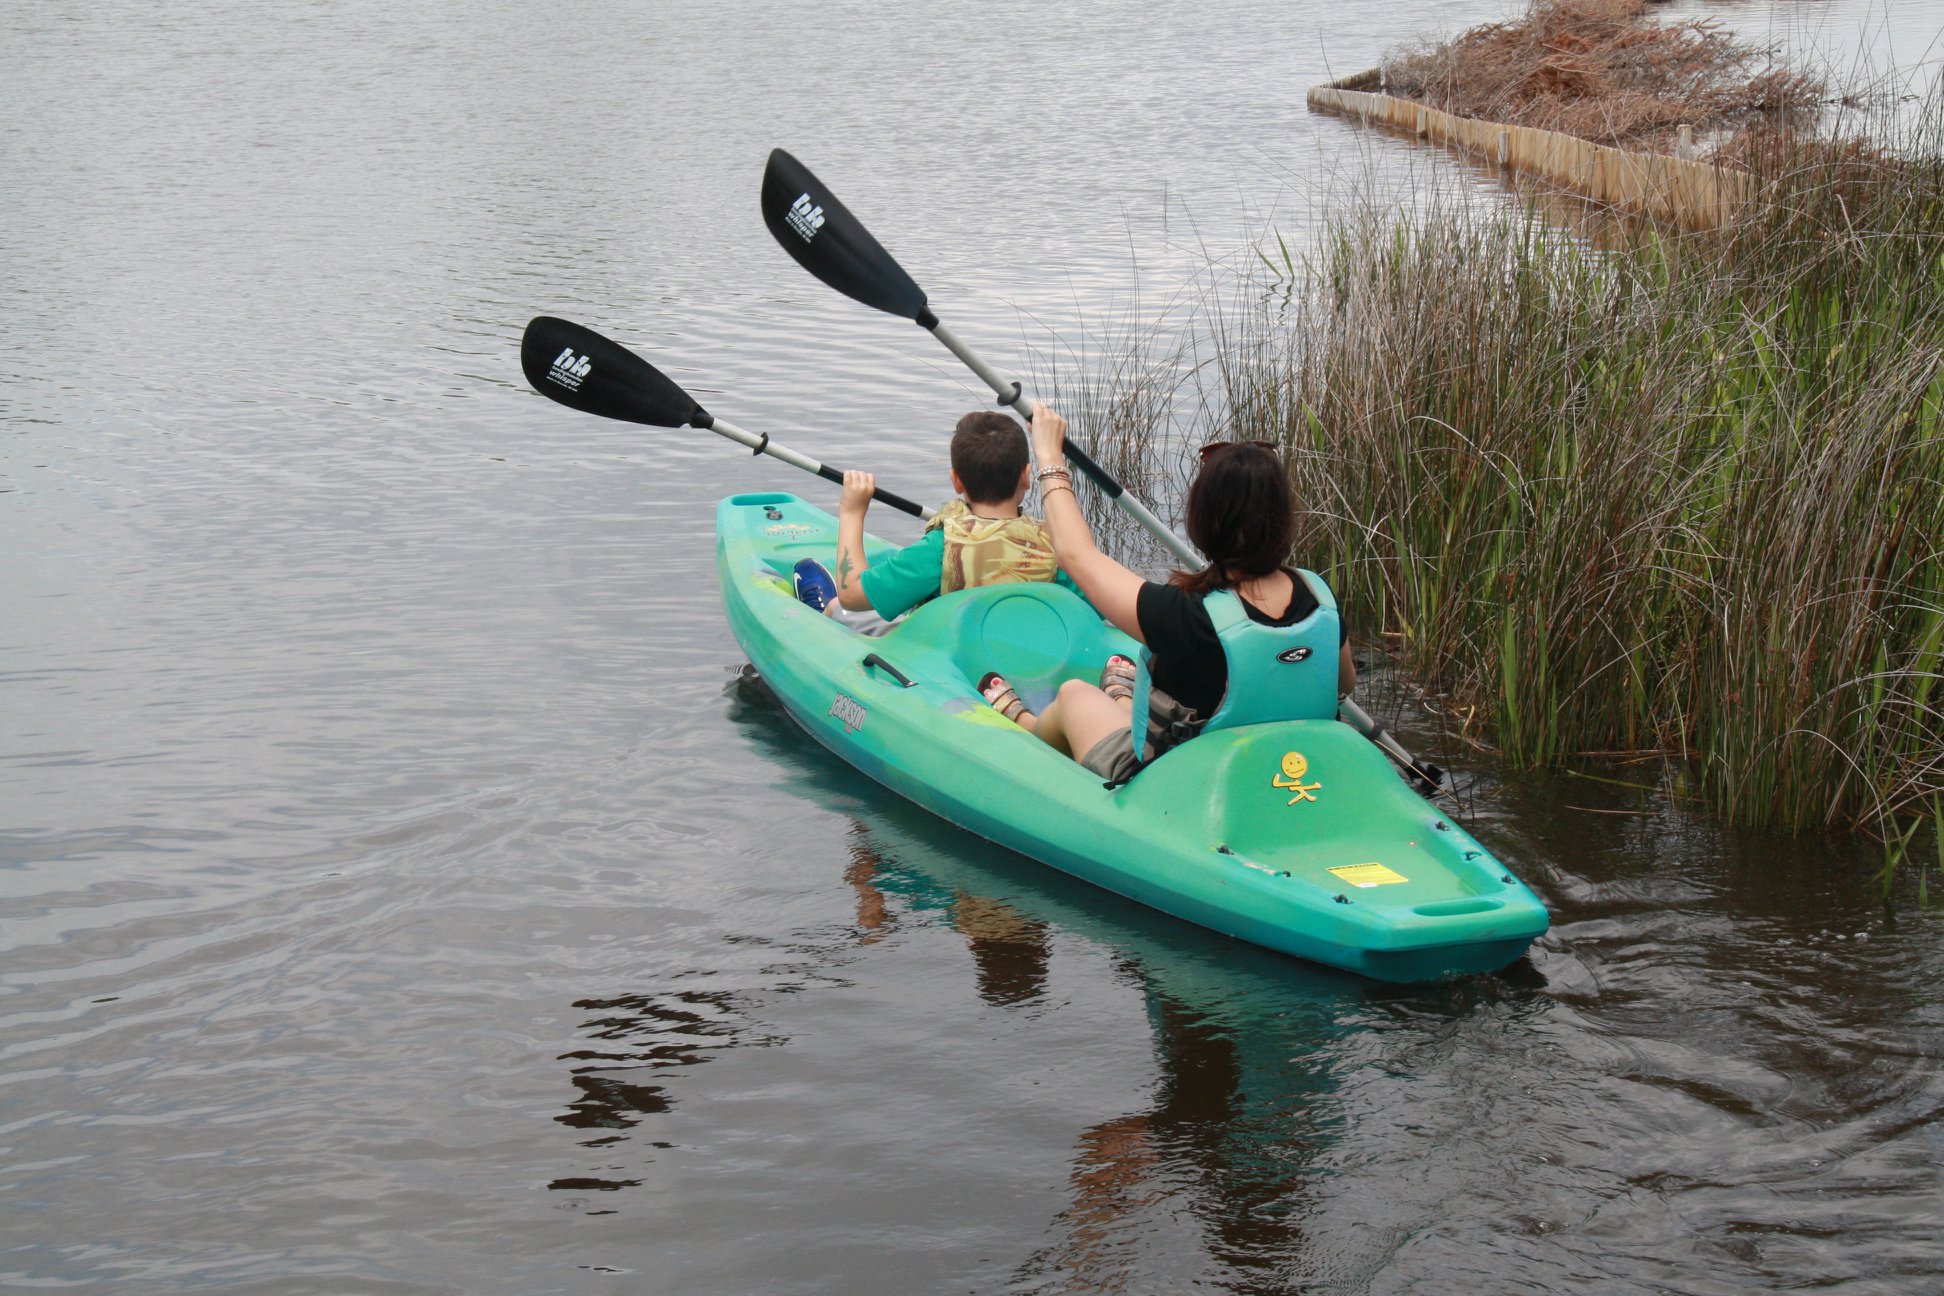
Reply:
x=585 y=371
x=822 y=236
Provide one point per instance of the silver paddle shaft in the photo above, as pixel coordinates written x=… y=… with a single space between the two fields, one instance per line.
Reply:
x=763 y=445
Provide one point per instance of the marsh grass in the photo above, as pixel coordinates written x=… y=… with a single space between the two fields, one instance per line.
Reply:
x=1677 y=496
x=1119 y=398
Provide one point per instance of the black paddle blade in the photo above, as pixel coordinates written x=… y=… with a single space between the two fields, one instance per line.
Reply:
x=583 y=370
x=824 y=238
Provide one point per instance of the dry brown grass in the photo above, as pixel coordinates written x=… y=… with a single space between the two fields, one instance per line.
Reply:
x=1603 y=70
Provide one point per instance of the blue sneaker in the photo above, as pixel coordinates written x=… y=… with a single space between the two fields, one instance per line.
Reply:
x=814 y=585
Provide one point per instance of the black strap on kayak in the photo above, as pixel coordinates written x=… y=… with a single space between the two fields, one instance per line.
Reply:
x=1178 y=732
x=1115 y=785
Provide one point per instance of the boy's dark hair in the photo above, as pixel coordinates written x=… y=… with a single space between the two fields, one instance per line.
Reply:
x=988 y=453
x=1242 y=514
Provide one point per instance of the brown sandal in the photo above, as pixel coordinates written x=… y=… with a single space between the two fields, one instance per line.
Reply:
x=1117 y=678
x=1005 y=701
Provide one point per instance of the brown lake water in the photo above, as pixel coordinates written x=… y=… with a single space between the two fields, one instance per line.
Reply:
x=404 y=890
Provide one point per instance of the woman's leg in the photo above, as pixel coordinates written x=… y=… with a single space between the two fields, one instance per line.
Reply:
x=1079 y=717
x=1073 y=722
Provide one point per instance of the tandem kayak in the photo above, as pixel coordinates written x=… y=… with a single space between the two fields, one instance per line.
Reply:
x=1299 y=836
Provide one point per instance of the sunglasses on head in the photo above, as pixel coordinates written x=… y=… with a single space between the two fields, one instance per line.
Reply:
x=1214 y=448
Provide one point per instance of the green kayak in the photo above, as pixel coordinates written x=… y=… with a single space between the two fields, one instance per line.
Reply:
x=1299 y=835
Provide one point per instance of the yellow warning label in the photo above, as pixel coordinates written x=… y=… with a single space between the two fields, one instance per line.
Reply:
x=1368 y=875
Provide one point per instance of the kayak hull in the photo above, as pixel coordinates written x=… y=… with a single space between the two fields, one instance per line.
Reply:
x=1298 y=836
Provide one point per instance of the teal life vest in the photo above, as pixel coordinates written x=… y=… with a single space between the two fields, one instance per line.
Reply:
x=1274 y=672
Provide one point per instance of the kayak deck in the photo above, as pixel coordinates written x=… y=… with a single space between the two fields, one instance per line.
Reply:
x=1299 y=835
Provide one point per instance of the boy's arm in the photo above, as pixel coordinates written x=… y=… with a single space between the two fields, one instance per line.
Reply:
x=899 y=581
x=851 y=561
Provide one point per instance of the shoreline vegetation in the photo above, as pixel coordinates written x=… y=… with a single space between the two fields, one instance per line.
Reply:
x=1663 y=495
x=1605 y=71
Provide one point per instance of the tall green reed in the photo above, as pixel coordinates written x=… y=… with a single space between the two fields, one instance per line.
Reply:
x=1670 y=493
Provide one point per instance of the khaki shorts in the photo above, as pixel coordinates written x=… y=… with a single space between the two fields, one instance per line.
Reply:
x=1113 y=757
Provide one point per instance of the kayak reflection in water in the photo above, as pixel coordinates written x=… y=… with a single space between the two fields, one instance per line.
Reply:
x=1010 y=951
x=1244 y=640
x=1223 y=1155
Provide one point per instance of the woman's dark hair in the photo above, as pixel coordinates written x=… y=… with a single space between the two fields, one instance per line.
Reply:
x=988 y=453
x=1242 y=514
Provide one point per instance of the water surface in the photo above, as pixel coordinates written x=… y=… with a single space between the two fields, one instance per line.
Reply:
x=404 y=891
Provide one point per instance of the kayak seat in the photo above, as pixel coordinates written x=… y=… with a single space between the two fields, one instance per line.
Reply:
x=1036 y=635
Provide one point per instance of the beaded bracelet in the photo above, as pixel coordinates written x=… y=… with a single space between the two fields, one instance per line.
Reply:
x=1061 y=473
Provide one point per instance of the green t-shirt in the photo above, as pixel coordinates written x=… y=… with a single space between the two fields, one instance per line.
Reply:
x=897 y=584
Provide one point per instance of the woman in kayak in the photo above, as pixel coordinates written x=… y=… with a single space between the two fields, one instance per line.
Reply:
x=1243 y=640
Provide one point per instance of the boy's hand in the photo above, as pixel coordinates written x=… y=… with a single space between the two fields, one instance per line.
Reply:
x=858 y=487
x=1049 y=436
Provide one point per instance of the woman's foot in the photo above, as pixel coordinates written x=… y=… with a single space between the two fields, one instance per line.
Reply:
x=1117 y=679
x=1000 y=696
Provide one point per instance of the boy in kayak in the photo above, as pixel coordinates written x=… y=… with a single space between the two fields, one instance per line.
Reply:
x=980 y=539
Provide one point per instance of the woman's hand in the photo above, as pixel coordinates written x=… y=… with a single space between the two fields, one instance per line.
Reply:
x=1110 y=587
x=858 y=488
x=1049 y=437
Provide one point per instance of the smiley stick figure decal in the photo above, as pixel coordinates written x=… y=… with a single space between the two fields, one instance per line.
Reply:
x=1294 y=766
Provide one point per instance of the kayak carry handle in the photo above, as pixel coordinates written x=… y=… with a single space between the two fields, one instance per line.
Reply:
x=872 y=659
